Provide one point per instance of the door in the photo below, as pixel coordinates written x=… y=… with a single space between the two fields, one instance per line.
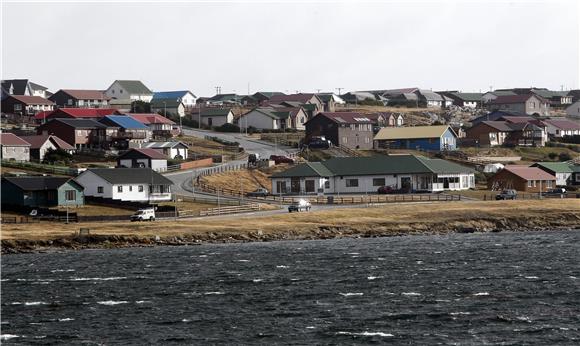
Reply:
x=209 y=122
x=309 y=185
x=295 y=185
x=406 y=184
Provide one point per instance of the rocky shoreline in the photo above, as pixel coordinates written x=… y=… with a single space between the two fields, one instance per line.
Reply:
x=557 y=221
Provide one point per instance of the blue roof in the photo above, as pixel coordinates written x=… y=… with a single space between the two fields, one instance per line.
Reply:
x=170 y=94
x=124 y=121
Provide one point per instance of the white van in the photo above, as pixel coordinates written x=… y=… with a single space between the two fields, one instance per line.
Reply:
x=147 y=214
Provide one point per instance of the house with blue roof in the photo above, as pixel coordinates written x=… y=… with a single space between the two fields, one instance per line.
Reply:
x=185 y=96
x=125 y=131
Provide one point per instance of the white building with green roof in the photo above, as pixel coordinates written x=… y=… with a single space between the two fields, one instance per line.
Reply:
x=343 y=175
x=133 y=90
x=563 y=171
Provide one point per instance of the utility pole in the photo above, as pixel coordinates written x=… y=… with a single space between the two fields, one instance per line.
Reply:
x=339 y=91
x=217 y=90
x=318 y=91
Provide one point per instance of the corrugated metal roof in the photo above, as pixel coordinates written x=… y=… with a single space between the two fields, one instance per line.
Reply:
x=85 y=94
x=12 y=140
x=529 y=173
x=171 y=94
x=556 y=167
x=393 y=133
x=131 y=176
x=143 y=152
x=150 y=118
x=38 y=183
x=161 y=145
x=32 y=100
x=134 y=87
x=39 y=140
x=123 y=121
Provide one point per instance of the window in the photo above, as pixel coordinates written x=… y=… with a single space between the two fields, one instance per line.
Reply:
x=351 y=182
x=529 y=183
x=140 y=188
x=113 y=91
x=379 y=182
x=309 y=185
x=120 y=91
x=327 y=184
x=549 y=184
x=17 y=107
x=534 y=183
x=130 y=188
x=70 y=195
x=344 y=140
x=100 y=189
x=119 y=188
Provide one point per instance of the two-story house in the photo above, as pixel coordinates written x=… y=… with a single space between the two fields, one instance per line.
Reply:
x=80 y=133
x=529 y=104
x=13 y=147
x=133 y=90
x=125 y=132
x=80 y=98
x=24 y=87
x=25 y=105
x=349 y=129
x=160 y=126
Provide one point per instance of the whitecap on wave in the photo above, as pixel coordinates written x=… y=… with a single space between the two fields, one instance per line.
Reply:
x=481 y=294
x=350 y=294
x=65 y=319
x=8 y=336
x=214 y=293
x=411 y=294
x=366 y=334
x=99 y=279
x=112 y=302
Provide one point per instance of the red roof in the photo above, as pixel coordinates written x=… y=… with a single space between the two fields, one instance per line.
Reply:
x=346 y=117
x=37 y=141
x=86 y=94
x=563 y=124
x=150 y=118
x=42 y=115
x=32 y=100
x=515 y=99
x=150 y=153
x=12 y=140
x=82 y=112
x=529 y=173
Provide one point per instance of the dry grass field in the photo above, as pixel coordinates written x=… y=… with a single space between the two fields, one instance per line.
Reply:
x=389 y=219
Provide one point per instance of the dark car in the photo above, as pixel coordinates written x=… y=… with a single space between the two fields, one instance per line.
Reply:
x=556 y=192
x=319 y=143
x=385 y=190
x=261 y=192
x=278 y=159
x=506 y=194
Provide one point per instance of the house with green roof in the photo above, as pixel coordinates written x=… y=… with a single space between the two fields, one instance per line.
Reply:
x=134 y=90
x=213 y=117
x=563 y=171
x=343 y=175
x=274 y=117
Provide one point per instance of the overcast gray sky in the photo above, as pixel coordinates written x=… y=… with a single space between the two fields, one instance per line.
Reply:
x=462 y=45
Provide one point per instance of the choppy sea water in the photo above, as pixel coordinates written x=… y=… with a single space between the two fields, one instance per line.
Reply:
x=468 y=289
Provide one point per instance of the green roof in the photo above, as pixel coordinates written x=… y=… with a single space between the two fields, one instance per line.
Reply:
x=134 y=87
x=169 y=103
x=374 y=165
x=469 y=97
x=215 y=112
x=556 y=167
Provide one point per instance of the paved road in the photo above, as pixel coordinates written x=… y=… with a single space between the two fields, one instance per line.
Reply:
x=182 y=180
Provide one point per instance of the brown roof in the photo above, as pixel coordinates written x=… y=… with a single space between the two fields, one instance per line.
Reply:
x=12 y=140
x=563 y=124
x=515 y=99
x=150 y=153
x=303 y=98
x=86 y=94
x=150 y=118
x=529 y=173
x=346 y=117
x=32 y=100
x=37 y=141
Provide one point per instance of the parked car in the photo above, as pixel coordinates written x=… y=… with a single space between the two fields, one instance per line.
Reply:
x=385 y=190
x=261 y=192
x=319 y=143
x=301 y=205
x=506 y=194
x=278 y=159
x=146 y=214
x=556 y=192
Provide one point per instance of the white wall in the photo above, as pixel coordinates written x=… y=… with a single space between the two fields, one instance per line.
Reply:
x=574 y=110
x=90 y=181
x=257 y=120
x=45 y=147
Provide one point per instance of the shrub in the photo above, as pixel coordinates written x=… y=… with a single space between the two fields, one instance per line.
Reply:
x=552 y=155
x=57 y=155
x=564 y=157
x=227 y=128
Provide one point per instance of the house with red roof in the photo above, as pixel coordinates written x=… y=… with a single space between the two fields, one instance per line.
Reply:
x=41 y=144
x=516 y=131
x=562 y=127
x=80 y=133
x=13 y=147
x=82 y=113
x=160 y=126
x=25 y=105
x=522 y=178
x=530 y=104
x=75 y=98
x=143 y=158
x=349 y=129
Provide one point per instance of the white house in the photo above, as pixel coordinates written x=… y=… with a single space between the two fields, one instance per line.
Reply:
x=143 y=158
x=126 y=184
x=573 y=110
x=213 y=116
x=185 y=96
x=274 y=118
x=129 y=89
x=562 y=127
x=342 y=175
x=173 y=149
